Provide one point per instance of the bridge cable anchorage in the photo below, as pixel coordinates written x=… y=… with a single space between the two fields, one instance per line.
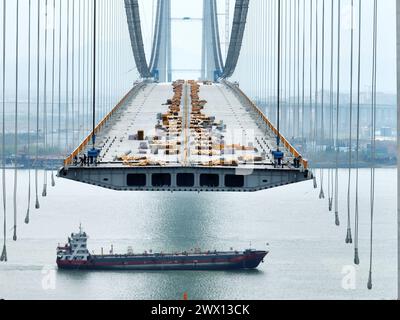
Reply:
x=3 y=257
x=16 y=131
x=356 y=218
x=349 y=239
x=337 y=221
x=322 y=137
x=37 y=204
x=44 y=192
x=28 y=146
x=373 y=136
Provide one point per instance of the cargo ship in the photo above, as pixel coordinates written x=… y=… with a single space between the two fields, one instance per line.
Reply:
x=76 y=256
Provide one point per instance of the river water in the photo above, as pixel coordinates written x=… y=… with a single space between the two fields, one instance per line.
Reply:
x=308 y=256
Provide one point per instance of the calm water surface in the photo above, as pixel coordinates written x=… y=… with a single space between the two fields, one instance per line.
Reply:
x=307 y=260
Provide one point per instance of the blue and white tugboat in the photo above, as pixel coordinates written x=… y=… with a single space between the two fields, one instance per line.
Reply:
x=75 y=255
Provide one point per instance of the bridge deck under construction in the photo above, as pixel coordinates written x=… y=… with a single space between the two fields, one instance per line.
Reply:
x=186 y=136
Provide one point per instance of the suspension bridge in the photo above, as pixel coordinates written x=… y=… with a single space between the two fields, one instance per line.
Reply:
x=123 y=122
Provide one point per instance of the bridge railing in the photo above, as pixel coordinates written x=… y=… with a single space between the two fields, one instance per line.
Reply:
x=69 y=160
x=284 y=141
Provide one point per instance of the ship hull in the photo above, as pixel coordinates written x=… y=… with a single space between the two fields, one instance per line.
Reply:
x=167 y=264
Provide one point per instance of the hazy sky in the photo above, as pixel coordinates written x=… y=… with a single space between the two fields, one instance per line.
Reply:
x=186 y=40
x=187 y=37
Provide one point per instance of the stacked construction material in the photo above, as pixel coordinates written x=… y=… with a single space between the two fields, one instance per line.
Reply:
x=167 y=139
x=170 y=124
x=206 y=141
x=209 y=138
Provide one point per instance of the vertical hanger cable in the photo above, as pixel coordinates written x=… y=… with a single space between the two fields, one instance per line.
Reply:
x=16 y=121
x=4 y=252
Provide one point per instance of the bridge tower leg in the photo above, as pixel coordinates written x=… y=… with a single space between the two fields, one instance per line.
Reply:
x=164 y=63
x=211 y=48
x=207 y=64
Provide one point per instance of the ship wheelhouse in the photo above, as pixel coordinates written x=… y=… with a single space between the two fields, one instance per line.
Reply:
x=76 y=249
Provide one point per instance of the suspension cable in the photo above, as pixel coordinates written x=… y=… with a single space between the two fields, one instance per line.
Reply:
x=303 y=74
x=59 y=76
x=315 y=116
x=337 y=221
x=311 y=76
x=295 y=60
x=279 y=75
x=322 y=137
x=73 y=40
x=37 y=205
x=297 y=69
x=331 y=97
x=87 y=58
x=28 y=147
x=67 y=81
x=83 y=67
x=373 y=137
x=4 y=252
x=349 y=239
x=289 y=106
x=44 y=192
x=16 y=121
x=94 y=71
x=356 y=219
x=79 y=71
x=53 y=183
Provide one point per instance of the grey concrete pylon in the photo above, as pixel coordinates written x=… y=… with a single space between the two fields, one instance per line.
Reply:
x=212 y=63
x=161 y=60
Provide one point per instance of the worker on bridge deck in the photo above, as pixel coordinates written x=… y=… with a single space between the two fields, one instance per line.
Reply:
x=297 y=162
x=278 y=157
